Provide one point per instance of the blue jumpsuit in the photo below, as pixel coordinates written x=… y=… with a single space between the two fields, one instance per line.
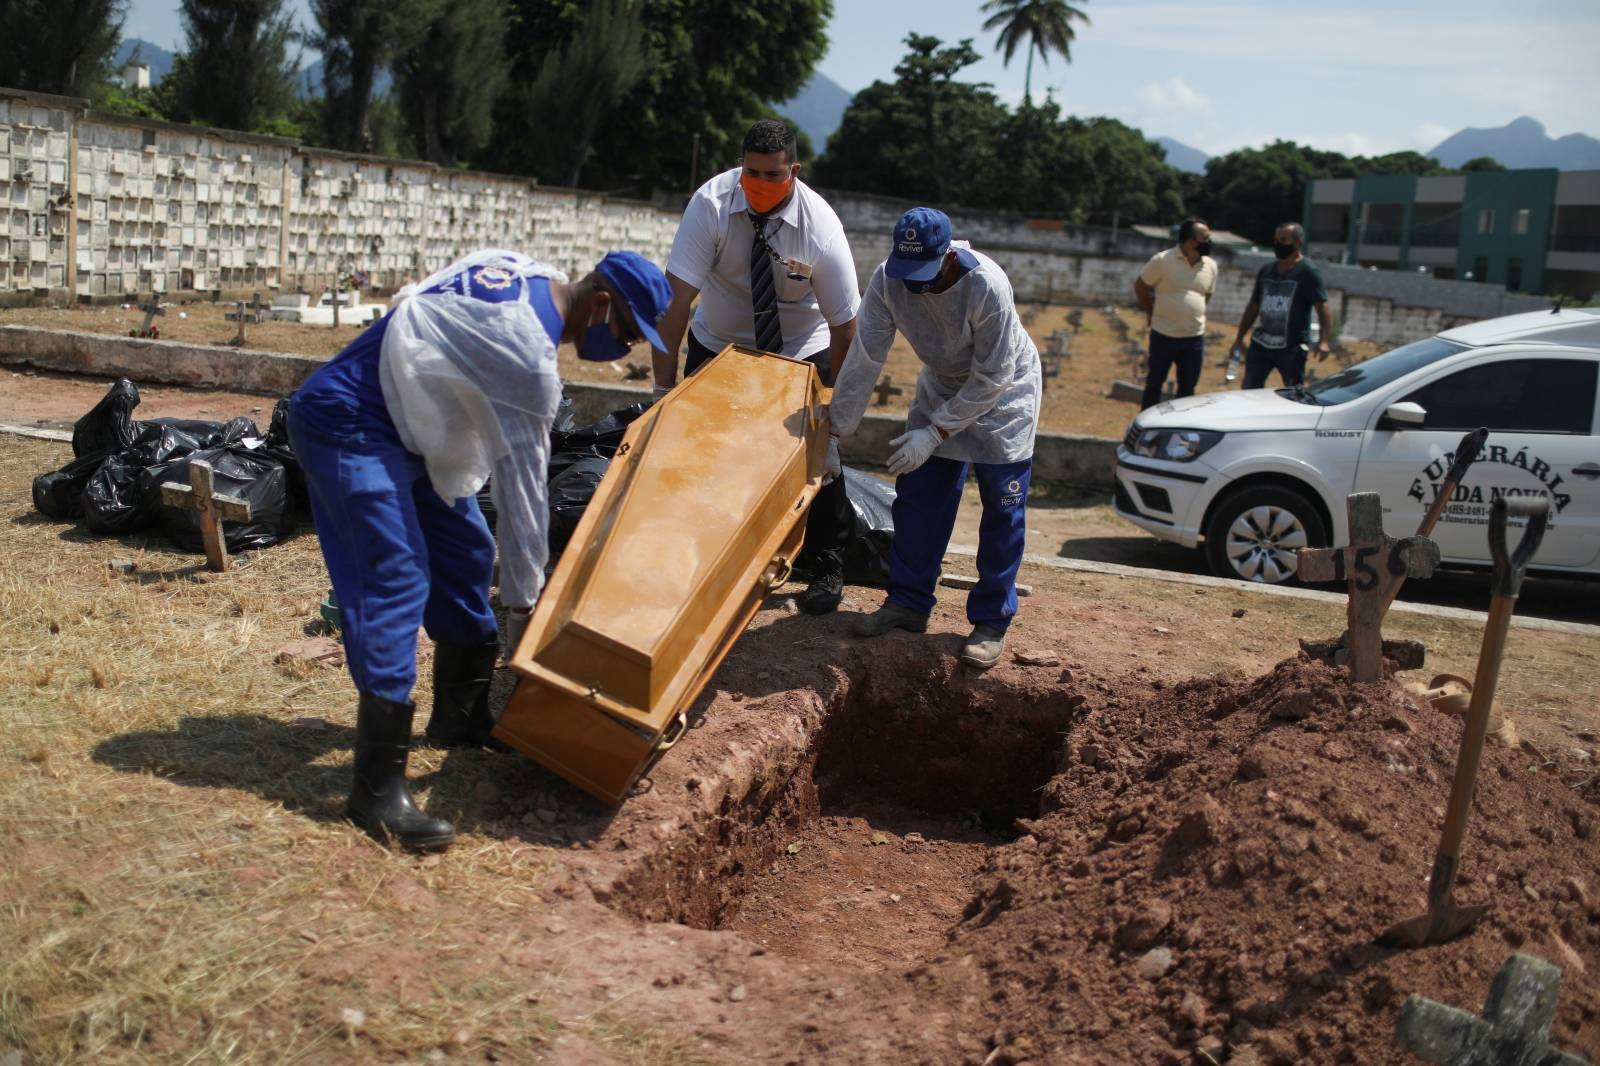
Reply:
x=400 y=557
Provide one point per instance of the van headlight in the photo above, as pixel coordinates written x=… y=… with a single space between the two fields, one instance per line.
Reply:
x=1175 y=445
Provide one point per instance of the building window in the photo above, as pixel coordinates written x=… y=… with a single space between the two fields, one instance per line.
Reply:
x=1519 y=220
x=1514 y=275
x=1480 y=269
x=1486 y=220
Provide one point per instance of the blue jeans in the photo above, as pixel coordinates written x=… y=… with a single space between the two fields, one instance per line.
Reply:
x=1289 y=362
x=925 y=505
x=399 y=556
x=1187 y=353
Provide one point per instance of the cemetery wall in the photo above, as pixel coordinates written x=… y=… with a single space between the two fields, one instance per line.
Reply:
x=108 y=206
x=104 y=206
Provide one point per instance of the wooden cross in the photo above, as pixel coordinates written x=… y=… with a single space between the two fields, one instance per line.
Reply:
x=1515 y=1026
x=246 y=312
x=885 y=389
x=151 y=310
x=1372 y=565
x=213 y=509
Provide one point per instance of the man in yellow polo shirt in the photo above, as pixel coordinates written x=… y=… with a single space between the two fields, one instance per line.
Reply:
x=1173 y=290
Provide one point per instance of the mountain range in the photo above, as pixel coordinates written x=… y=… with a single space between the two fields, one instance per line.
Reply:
x=1520 y=143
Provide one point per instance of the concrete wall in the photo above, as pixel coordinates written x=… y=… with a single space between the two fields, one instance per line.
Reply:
x=97 y=205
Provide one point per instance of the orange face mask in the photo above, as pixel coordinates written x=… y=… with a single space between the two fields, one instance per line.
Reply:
x=763 y=196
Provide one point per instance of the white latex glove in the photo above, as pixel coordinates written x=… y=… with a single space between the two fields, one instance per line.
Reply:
x=832 y=467
x=913 y=449
x=658 y=391
x=516 y=626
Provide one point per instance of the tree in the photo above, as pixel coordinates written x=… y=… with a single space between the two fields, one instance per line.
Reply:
x=358 y=39
x=450 y=78
x=1481 y=164
x=235 y=71
x=577 y=87
x=1254 y=190
x=59 y=46
x=924 y=136
x=1045 y=24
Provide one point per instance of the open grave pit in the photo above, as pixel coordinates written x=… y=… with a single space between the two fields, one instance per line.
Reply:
x=1114 y=870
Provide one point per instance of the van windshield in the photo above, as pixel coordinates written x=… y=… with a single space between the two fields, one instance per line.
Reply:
x=1356 y=381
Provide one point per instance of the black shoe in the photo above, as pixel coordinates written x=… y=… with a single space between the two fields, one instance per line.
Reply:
x=380 y=802
x=822 y=596
x=461 y=677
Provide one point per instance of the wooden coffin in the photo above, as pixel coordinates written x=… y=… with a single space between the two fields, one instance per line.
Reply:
x=698 y=519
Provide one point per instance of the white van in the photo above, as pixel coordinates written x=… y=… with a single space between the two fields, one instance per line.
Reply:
x=1259 y=474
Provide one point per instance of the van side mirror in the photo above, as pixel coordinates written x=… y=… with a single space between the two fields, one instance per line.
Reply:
x=1405 y=415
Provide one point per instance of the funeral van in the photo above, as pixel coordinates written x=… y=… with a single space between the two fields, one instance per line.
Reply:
x=1251 y=476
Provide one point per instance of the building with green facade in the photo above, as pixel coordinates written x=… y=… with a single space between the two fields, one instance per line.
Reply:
x=1533 y=231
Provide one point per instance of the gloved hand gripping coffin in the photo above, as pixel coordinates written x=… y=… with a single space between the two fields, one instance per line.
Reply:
x=698 y=519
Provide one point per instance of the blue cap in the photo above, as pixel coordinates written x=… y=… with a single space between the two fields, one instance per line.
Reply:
x=921 y=238
x=642 y=286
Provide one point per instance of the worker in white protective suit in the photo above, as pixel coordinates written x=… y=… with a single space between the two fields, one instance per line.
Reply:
x=396 y=435
x=977 y=405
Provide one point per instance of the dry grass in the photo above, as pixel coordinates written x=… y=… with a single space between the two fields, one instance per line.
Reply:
x=177 y=884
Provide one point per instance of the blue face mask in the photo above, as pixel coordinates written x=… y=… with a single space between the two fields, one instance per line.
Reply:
x=920 y=287
x=600 y=345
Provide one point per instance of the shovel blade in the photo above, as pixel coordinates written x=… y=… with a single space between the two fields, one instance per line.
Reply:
x=1443 y=923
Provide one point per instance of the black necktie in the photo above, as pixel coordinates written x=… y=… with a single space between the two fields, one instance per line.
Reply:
x=764 y=291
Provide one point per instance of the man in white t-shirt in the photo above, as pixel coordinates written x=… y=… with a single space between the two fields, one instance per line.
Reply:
x=769 y=261
x=1173 y=290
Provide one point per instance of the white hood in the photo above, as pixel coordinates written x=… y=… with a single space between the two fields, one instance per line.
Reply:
x=1229 y=412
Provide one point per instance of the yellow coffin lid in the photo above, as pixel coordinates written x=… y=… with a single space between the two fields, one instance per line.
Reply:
x=696 y=521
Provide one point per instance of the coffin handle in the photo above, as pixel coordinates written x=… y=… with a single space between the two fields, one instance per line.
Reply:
x=674 y=732
x=776 y=575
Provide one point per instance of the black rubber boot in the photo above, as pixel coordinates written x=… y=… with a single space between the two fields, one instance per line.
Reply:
x=380 y=802
x=461 y=676
x=824 y=594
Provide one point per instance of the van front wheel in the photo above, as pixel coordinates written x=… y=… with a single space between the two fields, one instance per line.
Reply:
x=1255 y=533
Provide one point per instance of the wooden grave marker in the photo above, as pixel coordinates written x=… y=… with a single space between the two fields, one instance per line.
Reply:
x=1372 y=565
x=151 y=310
x=212 y=507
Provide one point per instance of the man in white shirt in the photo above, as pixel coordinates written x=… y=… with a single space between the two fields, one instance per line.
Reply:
x=1173 y=290
x=769 y=261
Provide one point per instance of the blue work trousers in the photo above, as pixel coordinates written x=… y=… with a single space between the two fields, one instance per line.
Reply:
x=399 y=555
x=925 y=505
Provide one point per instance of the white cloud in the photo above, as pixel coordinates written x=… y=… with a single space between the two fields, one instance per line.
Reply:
x=1172 y=97
x=1425 y=136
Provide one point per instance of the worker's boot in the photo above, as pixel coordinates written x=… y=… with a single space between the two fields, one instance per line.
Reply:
x=461 y=677
x=380 y=802
x=824 y=593
x=983 y=647
x=890 y=616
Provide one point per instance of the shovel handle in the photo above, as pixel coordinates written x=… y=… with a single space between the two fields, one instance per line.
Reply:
x=1466 y=454
x=1509 y=566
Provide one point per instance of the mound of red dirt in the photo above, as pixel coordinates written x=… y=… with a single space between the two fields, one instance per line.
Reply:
x=1213 y=865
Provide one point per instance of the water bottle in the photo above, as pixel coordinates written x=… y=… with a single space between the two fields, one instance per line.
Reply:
x=1235 y=358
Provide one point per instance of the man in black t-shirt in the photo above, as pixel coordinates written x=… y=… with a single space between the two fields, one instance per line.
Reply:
x=1283 y=297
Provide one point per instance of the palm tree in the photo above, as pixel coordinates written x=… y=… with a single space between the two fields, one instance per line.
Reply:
x=1045 y=24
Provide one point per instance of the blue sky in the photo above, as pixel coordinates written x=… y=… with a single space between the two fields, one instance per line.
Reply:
x=1358 y=76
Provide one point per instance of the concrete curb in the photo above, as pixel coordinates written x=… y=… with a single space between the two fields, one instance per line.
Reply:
x=1089 y=566
x=1081 y=462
